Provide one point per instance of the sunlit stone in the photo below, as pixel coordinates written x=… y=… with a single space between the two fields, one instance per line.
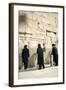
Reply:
x=37 y=27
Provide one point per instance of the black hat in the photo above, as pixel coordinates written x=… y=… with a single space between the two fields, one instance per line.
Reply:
x=39 y=45
x=25 y=46
x=53 y=44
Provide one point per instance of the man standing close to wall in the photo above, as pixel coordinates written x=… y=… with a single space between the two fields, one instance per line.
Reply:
x=40 y=56
x=25 y=56
x=55 y=54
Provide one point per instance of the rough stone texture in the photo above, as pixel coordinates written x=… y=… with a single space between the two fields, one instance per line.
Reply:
x=34 y=28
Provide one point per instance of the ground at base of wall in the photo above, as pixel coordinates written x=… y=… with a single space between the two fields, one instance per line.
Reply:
x=48 y=71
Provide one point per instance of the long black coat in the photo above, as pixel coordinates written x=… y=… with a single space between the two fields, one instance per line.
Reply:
x=25 y=55
x=55 y=55
x=40 y=56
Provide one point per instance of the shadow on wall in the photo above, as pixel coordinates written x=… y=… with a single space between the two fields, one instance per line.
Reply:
x=32 y=60
x=20 y=61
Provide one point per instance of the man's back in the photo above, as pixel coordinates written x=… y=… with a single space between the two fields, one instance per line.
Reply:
x=54 y=51
x=25 y=52
x=40 y=51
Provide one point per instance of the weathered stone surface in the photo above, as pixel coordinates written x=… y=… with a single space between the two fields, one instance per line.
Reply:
x=37 y=27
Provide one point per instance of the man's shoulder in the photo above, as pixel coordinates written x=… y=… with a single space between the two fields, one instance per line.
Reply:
x=27 y=49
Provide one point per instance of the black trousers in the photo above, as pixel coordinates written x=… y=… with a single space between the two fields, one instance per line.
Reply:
x=41 y=65
x=25 y=65
x=55 y=59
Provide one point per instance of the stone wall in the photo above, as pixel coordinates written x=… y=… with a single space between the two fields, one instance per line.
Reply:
x=34 y=28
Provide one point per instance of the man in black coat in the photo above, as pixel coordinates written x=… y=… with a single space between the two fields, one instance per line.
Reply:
x=25 y=56
x=55 y=54
x=40 y=56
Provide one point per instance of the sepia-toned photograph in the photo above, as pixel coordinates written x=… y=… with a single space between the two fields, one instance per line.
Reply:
x=36 y=44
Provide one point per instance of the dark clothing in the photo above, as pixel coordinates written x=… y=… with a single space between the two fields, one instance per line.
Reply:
x=25 y=55
x=41 y=65
x=55 y=55
x=40 y=57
